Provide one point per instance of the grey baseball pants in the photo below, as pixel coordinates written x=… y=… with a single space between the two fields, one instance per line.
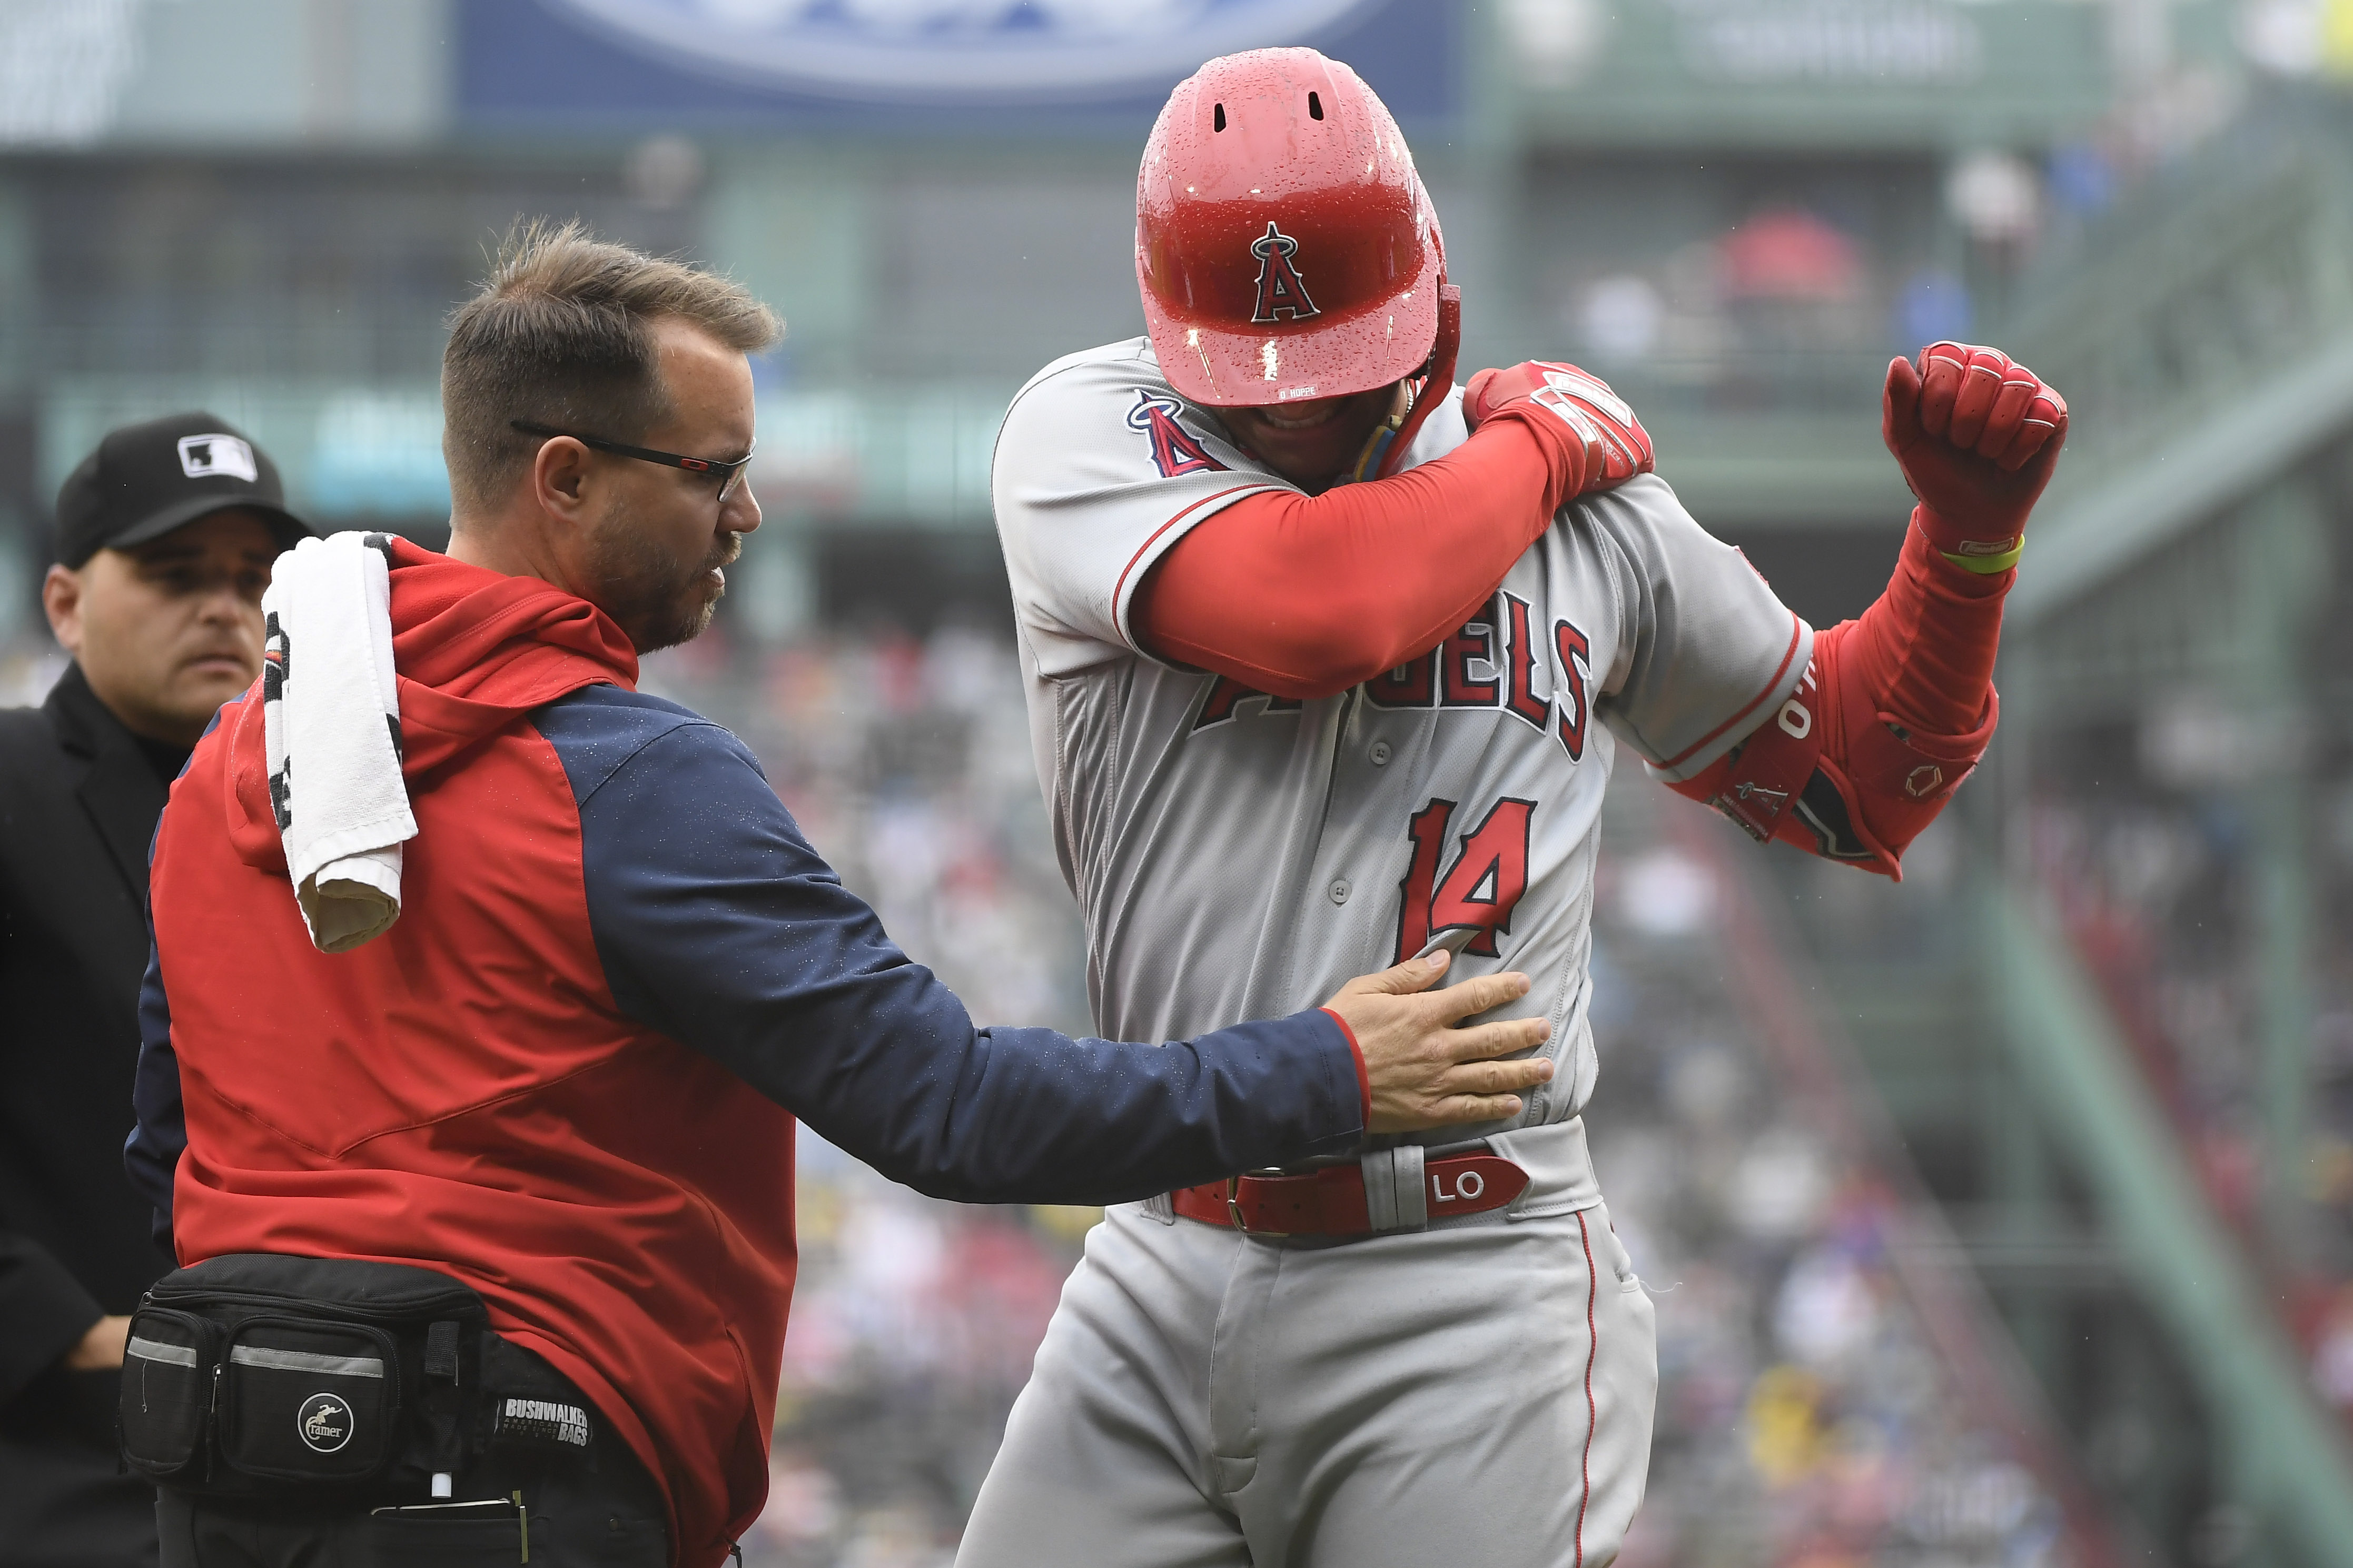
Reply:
x=1478 y=1393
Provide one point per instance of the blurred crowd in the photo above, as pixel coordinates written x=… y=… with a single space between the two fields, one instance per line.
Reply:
x=1803 y=271
x=1807 y=1416
x=2161 y=891
x=1805 y=1420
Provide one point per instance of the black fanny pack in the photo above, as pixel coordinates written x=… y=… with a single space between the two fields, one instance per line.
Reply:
x=256 y=1374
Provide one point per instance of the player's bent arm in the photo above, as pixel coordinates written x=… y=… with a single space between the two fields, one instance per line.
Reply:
x=719 y=925
x=1897 y=706
x=1306 y=596
x=1892 y=715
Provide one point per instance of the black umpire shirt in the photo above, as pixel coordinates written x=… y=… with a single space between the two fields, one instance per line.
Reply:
x=79 y=797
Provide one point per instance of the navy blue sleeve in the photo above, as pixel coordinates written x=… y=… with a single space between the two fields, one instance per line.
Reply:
x=159 y=1131
x=718 y=924
x=151 y=1154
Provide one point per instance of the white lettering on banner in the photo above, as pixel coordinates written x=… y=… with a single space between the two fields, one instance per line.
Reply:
x=1877 y=42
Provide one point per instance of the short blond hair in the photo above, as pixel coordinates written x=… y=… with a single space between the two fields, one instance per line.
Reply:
x=560 y=335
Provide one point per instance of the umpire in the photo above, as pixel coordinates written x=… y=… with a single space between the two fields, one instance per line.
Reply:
x=164 y=538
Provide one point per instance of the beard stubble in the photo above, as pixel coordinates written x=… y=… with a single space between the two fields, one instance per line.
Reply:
x=657 y=602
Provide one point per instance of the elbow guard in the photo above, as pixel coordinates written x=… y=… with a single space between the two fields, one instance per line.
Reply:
x=1833 y=773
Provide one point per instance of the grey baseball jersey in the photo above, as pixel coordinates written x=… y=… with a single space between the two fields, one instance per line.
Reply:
x=1241 y=856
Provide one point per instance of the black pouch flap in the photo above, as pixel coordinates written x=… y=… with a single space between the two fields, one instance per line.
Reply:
x=382 y=1292
x=168 y=1364
x=308 y=1401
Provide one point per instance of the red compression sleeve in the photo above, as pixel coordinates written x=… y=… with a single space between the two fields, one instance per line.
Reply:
x=1306 y=595
x=1894 y=713
x=1926 y=648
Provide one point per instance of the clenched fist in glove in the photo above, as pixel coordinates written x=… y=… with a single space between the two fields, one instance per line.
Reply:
x=1595 y=440
x=1976 y=434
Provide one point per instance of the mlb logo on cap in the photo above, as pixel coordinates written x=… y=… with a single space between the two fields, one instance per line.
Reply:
x=203 y=457
x=146 y=479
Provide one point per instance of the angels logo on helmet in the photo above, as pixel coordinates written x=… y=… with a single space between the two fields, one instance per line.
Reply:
x=1280 y=288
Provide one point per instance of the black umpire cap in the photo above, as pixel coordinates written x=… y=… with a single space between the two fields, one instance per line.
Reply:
x=145 y=481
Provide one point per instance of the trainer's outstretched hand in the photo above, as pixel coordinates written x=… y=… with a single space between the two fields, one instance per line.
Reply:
x=1426 y=1072
x=1976 y=434
x=1605 y=445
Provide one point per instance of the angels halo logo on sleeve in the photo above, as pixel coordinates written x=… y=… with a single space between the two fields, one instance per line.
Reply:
x=1174 y=450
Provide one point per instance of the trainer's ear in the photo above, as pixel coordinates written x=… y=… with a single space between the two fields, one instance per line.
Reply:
x=559 y=477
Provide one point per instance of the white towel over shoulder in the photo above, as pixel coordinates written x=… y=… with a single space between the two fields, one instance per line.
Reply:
x=331 y=718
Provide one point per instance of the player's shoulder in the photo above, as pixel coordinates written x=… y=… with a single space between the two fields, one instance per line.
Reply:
x=1644 y=508
x=1644 y=537
x=1645 y=497
x=1108 y=417
x=1120 y=369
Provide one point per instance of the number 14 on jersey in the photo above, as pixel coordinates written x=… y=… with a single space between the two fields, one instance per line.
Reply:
x=1480 y=887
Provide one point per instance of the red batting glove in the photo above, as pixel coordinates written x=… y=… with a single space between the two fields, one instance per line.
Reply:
x=1977 y=436
x=1595 y=441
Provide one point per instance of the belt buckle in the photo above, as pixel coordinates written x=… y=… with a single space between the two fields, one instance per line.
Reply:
x=1234 y=1211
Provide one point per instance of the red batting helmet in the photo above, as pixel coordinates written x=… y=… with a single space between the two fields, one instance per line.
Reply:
x=1285 y=244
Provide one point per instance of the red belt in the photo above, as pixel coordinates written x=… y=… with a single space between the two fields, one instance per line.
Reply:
x=1330 y=1201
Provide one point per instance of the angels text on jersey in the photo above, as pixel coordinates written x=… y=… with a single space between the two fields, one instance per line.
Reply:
x=1486 y=665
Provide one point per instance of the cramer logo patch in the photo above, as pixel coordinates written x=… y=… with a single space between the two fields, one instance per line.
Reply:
x=204 y=457
x=325 y=1422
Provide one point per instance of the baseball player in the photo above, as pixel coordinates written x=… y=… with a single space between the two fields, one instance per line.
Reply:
x=1328 y=662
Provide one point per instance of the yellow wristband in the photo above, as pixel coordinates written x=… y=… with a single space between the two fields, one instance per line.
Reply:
x=1986 y=565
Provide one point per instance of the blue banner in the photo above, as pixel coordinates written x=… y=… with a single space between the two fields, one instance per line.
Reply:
x=912 y=66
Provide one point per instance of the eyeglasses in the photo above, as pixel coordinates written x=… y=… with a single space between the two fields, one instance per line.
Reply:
x=729 y=474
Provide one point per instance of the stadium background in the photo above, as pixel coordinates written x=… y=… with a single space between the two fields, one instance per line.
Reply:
x=2003 y=1218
